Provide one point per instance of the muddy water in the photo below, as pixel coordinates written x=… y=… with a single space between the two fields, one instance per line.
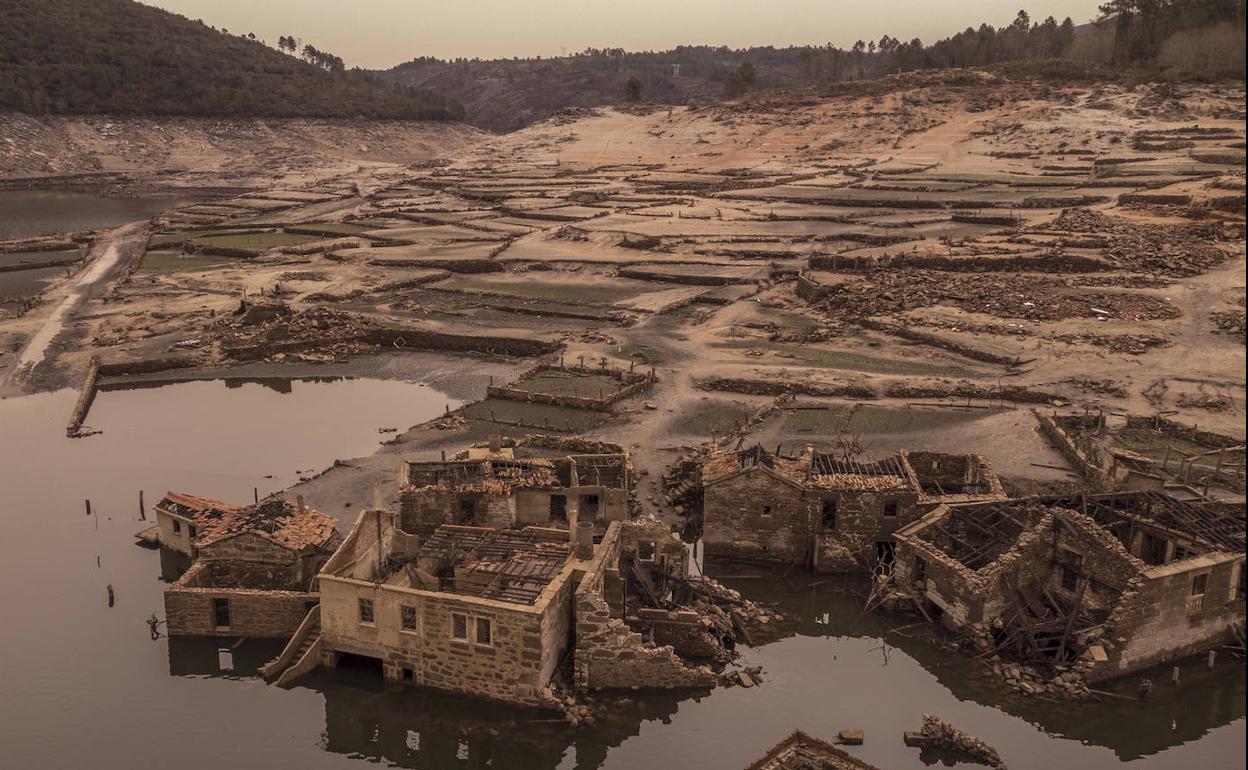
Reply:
x=26 y=213
x=85 y=686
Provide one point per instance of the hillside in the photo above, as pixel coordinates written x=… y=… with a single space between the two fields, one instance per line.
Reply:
x=120 y=57
x=1164 y=40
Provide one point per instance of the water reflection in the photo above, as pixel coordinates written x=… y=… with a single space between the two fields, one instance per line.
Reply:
x=427 y=730
x=1132 y=727
x=222 y=658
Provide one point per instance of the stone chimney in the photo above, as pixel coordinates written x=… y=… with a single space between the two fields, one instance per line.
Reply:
x=299 y=503
x=584 y=534
x=496 y=443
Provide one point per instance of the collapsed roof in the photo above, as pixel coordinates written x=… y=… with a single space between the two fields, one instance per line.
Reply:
x=276 y=519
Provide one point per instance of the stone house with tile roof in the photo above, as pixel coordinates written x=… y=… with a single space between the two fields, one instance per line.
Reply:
x=828 y=512
x=254 y=572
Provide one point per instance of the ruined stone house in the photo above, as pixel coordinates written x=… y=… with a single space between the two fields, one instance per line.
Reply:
x=491 y=487
x=486 y=612
x=825 y=511
x=473 y=610
x=254 y=571
x=1104 y=583
x=179 y=518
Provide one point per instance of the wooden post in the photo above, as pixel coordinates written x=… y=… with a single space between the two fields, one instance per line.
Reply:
x=142 y=509
x=1213 y=655
x=88 y=507
x=1174 y=676
x=255 y=493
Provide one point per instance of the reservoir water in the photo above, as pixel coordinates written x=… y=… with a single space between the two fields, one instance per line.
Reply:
x=27 y=213
x=85 y=686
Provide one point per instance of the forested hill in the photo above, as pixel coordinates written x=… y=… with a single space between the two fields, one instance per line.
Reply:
x=124 y=58
x=1140 y=39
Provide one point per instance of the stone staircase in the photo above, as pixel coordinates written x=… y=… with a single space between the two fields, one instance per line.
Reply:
x=300 y=655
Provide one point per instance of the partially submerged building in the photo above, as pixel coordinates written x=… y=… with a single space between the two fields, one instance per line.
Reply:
x=491 y=487
x=180 y=517
x=827 y=511
x=254 y=571
x=486 y=612
x=1110 y=583
x=799 y=751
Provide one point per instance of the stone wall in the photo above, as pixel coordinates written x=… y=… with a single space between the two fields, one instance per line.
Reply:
x=1099 y=476
x=421 y=511
x=179 y=541
x=520 y=659
x=685 y=631
x=250 y=561
x=1160 y=621
x=189 y=608
x=609 y=655
x=860 y=515
x=757 y=515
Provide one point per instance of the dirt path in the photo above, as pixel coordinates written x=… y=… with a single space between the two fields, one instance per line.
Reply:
x=108 y=259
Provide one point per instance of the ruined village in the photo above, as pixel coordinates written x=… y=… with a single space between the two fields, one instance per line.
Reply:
x=949 y=364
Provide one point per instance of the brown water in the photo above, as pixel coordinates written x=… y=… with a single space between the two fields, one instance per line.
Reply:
x=82 y=685
x=27 y=213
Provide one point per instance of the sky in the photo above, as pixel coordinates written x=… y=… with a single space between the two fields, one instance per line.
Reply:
x=378 y=34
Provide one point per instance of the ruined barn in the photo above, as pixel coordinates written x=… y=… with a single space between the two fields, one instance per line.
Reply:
x=1108 y=583
x=491 y=487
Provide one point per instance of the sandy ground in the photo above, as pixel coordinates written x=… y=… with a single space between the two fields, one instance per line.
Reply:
x=675 y=238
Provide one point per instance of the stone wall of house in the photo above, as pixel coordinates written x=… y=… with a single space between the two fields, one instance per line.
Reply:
x=514 y=666
x=946 y=582
x=250 y=561
x=610 y=656
x=179 y=541
x=860 y=516
x=532 y=506
x=685 y=631
x=755 y=514
x=1160 y=620
x=423 y=510
x=189 y=608
x=1101 y=560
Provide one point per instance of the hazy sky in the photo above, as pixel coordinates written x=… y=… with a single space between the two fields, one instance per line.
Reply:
x=382 y=33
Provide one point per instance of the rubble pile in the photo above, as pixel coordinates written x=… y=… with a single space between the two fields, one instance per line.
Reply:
x=1064 y=682
x=939 y=734
x=273 y=330
x=1229 y=322
x=1033 y=298
x=1176 y=250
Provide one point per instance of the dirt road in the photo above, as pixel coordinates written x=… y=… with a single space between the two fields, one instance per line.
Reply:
x=107 y=262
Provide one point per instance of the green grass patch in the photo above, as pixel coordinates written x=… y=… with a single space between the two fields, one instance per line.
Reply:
x=605 y=292
x=256 y=242
x=331 y=229
x=177 y=262
x=569 y=384
x=870 y=420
